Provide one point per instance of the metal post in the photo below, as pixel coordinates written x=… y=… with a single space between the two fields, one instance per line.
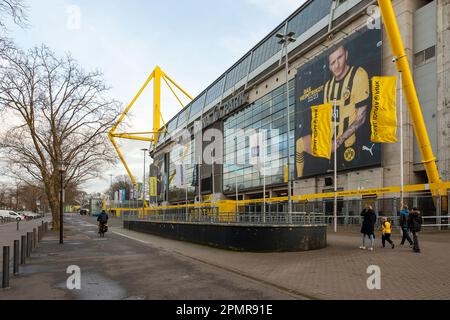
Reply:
x=402 y=179
x=143 y=185
x=16 y=257
x=5 y=278
x=235 y=175
x=34 y=238
x=23 y=250
x=438 y=212
x=18 y=222
x=264 y=176
x=285 y=39
x=29 y=244
x=335 y=164
x=288 y=134
x=61 y=209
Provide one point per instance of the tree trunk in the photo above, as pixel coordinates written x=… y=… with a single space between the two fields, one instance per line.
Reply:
x=54 y=206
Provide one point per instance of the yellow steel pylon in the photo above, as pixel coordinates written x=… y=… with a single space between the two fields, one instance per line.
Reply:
x=156 y=75
x=429 y=160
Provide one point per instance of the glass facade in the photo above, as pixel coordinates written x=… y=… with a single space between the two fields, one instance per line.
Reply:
x=309 y=16
x=181 y=172
x=269 y=114
x=197 y=108
x=215 y=91
x=238 y=73
x=266 y=50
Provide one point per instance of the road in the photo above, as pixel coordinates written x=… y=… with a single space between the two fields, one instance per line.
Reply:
x=131 y=265
x=118 y=267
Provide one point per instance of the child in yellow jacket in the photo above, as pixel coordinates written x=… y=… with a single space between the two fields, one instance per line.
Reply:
x=387 y=231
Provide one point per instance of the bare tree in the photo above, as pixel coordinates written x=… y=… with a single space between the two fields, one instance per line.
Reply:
x=63 y=115
x=12 y=9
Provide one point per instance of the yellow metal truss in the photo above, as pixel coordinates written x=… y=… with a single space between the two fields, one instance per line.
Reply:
x=401 y=61
x=152 y=137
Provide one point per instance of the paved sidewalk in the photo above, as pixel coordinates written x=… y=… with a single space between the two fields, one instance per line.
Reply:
x=117 y=268
x=340 y=270
x=139 y=266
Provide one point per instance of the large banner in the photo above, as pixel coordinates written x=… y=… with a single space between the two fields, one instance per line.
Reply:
x=341 y=77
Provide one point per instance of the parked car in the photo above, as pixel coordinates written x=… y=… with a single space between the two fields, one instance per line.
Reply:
x=6 y=214
x=84 y=212
x=30 y=215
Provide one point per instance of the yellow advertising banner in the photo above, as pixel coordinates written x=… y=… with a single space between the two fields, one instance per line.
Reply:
x=384 y=110
x=321 y=131
x=286 y=174
x=153 y=188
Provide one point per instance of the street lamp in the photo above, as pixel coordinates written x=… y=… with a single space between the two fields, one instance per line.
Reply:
x=62 y=169
x=285 y=40
x=143 y=186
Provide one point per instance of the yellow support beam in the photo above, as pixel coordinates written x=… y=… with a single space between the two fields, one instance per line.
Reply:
x=111 y=138
x=132 y=137
x=156 y=76
x=429 y=160
x=113 y=130
x=157 y=104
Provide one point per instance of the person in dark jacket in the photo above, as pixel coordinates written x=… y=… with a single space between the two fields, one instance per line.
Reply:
x=404 y=214
x=368 y=227
x=102 y=219
x=415 y=222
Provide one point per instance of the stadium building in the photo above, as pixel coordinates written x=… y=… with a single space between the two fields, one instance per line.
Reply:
x=339 y=47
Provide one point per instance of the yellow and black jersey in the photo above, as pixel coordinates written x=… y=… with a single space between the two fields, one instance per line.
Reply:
x=349 y=94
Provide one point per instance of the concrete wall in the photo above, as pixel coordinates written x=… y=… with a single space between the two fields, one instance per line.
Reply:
x=443 y=78
x=239 y=237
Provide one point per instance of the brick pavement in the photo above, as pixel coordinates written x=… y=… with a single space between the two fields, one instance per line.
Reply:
x=340 y=270
x=337 y=272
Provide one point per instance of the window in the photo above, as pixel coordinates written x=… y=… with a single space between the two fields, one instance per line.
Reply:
x=265 y=51
x=197 y=108
x=309 y=16
x=424 y=56
x=215 y=91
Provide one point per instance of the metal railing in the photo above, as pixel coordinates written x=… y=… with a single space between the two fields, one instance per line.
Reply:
x=211 y=215
x=214 y=217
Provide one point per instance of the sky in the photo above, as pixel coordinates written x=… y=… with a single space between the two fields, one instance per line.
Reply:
x=193 y=41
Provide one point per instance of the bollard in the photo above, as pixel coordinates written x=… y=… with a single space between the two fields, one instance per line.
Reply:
x=39 y=234
x=34 y=238
x=16 y=257
x=28 y=244
x=23 y=250
x=5 y=278
x=18 y=222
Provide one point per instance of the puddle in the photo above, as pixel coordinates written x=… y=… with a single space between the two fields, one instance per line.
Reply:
x=95 y=286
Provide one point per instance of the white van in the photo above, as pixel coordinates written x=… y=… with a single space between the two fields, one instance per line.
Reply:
x=5 y=214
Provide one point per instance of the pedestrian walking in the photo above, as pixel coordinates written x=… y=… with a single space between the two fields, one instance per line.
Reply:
x=404 y=214
x=415 y=222
x=387 y=232
x=368 y=227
